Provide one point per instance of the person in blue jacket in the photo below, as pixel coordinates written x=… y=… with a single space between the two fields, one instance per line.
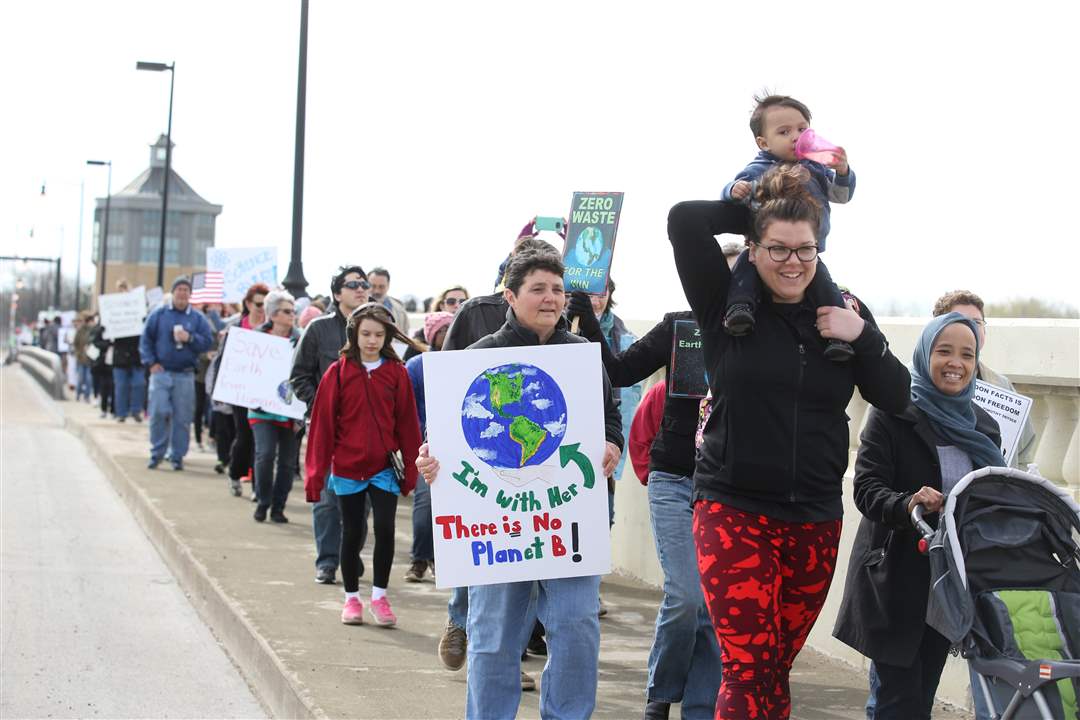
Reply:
x=174 y=336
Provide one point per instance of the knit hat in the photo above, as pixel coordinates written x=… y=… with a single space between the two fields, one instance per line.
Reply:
x=181 y=280
x=435 y=322
x=310 y=313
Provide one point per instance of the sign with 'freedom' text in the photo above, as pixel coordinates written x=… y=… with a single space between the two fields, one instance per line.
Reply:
x=519 y=435
x=1009 y=408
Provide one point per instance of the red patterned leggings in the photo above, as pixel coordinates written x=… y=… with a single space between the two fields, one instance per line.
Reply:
x=765 y=582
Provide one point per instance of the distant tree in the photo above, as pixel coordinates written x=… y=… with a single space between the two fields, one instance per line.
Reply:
x=1031 y=307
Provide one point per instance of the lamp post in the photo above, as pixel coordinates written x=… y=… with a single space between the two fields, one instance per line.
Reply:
x=294 y=280
x=162 y=67
x=105 y=233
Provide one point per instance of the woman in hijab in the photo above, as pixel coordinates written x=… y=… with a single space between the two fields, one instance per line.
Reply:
x=914 y=458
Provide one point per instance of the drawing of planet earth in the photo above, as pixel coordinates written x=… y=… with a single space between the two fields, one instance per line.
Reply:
x=513 y=416
x=590 y=246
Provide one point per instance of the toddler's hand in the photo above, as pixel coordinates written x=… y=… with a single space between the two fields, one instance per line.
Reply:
x=839 y=323
x=839 y=162
x=740 y=190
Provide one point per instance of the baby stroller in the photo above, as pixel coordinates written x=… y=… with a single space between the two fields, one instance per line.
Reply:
x=1005 y=588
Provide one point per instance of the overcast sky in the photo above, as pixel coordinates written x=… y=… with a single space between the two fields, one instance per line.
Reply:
x=436 y=129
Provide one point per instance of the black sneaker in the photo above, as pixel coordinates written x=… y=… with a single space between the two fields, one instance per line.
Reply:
x=278 y=517
x=154 y=462
x=325 y=575
x=838 y=351
x=656 y=710
x=537 y=645
x=219 y=468
x=260 y=513
x=739 y=319
x=177 y=465
x=416 y=571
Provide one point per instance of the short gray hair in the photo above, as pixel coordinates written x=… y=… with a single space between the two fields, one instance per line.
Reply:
x=274 y=300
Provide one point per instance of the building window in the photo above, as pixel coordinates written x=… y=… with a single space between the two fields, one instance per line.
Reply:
x=116 y=248
x=172 y=251
x=199 y=248
x=148 y=248
x=204 y=227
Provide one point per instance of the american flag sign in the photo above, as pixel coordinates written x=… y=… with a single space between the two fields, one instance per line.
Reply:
x=208 y=287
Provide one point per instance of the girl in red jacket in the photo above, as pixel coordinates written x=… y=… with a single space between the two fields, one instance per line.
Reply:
x=364 y=412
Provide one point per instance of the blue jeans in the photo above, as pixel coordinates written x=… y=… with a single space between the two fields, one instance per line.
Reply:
x=458 y=609
x=982 y=712
x=423 y=544
x=172 y=407
x=326 y=524
x=271 y=440
x=568 y=608
x=130 y=384
x=84 y=385
x=684 y=662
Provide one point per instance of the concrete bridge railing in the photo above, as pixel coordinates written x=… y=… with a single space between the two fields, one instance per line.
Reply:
x=45 y=367
x=1041 y=357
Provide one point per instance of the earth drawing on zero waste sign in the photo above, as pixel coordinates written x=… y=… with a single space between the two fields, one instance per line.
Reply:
x=513 y=416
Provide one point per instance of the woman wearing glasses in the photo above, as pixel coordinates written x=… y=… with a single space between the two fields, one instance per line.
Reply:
x=364 y=413
x=275 y=435
x=768 y=479
x=449 y=301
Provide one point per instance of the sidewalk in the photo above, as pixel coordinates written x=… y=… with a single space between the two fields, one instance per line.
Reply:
x=254 y=586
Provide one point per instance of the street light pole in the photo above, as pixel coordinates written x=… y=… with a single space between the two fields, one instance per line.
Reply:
x=103 y=250
x=294 y=280
x=161 y=67
x=78 y=251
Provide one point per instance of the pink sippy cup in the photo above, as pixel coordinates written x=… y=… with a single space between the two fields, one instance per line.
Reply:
x=811 y=146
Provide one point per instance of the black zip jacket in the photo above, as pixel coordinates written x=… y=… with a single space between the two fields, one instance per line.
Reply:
x=673 y=448
x=883 y=612
x=479 y=316
x=514 y=334
x=319 y=348
x=777 y=440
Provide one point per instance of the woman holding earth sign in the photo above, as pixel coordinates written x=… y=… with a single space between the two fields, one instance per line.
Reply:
x=768 y=480
x=566 y=606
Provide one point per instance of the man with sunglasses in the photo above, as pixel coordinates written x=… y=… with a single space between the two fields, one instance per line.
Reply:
x=318 y=348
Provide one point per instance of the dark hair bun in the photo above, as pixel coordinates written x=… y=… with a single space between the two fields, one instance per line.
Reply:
x=787 y=181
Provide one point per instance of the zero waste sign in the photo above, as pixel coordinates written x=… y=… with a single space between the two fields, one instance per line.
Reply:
x=519 y=435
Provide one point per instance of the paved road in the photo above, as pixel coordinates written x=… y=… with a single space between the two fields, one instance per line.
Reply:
x=93 y=623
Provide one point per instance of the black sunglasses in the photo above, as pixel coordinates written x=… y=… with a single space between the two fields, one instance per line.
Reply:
x=452 y=301
x=357 y=285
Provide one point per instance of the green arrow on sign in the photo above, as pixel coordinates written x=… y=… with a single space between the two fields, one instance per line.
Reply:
x=570 y=452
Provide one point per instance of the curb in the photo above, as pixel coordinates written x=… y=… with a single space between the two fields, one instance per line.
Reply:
x=274 y=686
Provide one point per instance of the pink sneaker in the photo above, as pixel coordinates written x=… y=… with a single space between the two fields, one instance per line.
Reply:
x=353 y=612
x=380 y=610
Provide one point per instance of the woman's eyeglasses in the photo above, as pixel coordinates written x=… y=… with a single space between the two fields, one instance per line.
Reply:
x=452 y=301
x=357 y=285
x=780 y=253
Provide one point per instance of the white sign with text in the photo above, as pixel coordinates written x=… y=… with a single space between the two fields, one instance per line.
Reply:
x=1009 y=409
x=242 y=268
x=254 y=373
x=122 y=314
x=519 y=434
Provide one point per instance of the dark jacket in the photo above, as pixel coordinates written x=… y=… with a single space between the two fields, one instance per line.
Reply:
x=673 y=447
x=883 y=613
x=126 y=352
x=776 y=442
x=318 y=349
x=479 y=316
x=514 y=334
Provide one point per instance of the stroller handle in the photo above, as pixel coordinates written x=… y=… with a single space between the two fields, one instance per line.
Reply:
x=923 y=528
